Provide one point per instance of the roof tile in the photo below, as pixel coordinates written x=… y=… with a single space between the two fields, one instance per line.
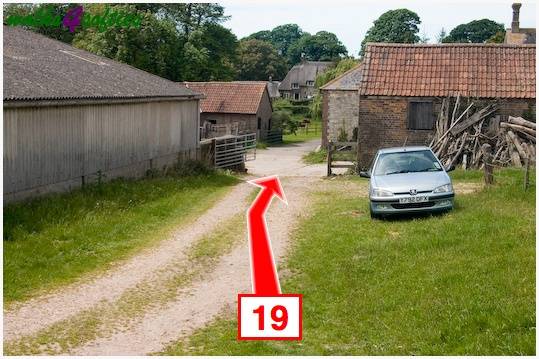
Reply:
x=230 y=97
x=477 y=70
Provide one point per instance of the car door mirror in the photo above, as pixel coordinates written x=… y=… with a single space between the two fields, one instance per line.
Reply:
x=450 y=168
x=365 y=174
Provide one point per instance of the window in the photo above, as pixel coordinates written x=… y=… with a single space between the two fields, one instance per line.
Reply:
x=286 y=95
x=420 y=116
x=296 y=96
x=259 y=125
x=295 y=85
x=404 y=162
x=310 y=83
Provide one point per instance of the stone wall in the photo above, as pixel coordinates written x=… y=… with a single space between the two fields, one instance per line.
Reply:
x=340 y=110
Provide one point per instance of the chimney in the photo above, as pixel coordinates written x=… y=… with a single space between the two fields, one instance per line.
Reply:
x=515 y=26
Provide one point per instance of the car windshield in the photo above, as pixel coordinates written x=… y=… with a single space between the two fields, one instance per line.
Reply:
x=406 y=162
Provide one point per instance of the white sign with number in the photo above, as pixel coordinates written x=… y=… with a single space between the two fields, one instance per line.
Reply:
x=271 y=317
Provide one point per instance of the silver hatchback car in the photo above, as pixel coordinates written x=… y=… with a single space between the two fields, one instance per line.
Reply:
x=408 y=179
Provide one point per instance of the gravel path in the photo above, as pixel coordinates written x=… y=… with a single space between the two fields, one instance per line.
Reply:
x=203 y=300
x=196 y=304
x=39 y=313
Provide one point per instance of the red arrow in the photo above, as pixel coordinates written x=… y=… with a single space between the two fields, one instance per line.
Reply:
x=263 y=273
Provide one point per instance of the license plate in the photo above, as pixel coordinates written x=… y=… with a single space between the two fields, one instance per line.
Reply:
x=416 y=199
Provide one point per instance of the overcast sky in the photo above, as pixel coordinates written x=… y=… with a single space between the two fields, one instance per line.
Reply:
x=350 y=20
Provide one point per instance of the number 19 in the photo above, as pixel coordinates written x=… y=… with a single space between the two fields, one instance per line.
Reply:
x=281 y=318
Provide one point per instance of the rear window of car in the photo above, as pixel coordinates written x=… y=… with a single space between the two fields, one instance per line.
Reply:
x=406 y=162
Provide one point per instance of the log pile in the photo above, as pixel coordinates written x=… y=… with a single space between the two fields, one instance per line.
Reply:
x=463 y=127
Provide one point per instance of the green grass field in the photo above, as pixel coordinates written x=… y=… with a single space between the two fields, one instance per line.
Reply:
x=314 y=132
x=460 y=283
x=54 y=240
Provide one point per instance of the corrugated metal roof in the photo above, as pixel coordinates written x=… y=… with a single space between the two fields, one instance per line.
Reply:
x=39 y=68
x=474 y=70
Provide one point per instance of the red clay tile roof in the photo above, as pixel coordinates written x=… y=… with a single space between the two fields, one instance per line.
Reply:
x=474 y=70
x=230 y=97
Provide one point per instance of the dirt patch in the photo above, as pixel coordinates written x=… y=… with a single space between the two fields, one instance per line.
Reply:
x=467 y=187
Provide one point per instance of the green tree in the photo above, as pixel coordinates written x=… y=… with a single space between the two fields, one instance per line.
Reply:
x=477 y=31
x=257 y=60
x=264 y=35
x=162 y=46
x=220 y=45
x=56 y=11
x=284 y=36
x=323 y=46
x=188 y=17
x=497 y=38
x=154 y=47
x=340 y=68
x=400 y=26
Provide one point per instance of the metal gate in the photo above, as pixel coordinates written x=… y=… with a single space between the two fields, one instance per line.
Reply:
x=234 y=150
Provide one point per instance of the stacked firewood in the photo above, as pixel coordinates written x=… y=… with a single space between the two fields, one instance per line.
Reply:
x=463 y=127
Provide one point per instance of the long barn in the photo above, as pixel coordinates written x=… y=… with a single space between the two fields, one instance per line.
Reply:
x=71 y=116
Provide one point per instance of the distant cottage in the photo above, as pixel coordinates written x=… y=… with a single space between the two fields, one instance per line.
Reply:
x=402 y=86
x=240 y=107
x=298 y=85
x=71 y=117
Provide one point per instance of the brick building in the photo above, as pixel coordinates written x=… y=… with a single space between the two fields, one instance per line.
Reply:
x=340 y=107
x=402 y=86
x=235 y=107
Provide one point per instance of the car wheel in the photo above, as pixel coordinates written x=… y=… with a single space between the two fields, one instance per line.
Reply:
x=374 y=215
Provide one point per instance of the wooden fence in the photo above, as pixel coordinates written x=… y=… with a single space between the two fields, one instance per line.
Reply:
x=337 y=151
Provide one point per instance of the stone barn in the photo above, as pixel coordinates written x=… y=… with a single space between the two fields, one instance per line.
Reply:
x=340 y=107
x=402 y=86
x=71 y=117
x=241 y=107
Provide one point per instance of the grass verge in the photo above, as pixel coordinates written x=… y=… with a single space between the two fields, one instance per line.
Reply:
x=460 y=283
x=54 y=240
x=102 y=320
x=300 y=137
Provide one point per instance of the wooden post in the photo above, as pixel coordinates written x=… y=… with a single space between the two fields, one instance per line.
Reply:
x=330 y=146
x=527 y=173
x=358 y=147
x=487 y=160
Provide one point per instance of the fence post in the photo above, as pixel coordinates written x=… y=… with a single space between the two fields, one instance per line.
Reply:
x=527 y=173
x=330 y=146
x=487 y=160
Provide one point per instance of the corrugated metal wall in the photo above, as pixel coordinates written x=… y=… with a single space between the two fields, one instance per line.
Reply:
x=48 y=145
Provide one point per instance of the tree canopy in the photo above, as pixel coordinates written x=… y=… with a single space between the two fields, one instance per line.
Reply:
x=322 y=46
x=258 y=60
x=477 y=31
x=292 y=42
x=399 y=26
x=186 y=41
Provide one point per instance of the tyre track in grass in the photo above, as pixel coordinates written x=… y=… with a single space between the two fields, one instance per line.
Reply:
x=29 y=317
x=204 y=299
